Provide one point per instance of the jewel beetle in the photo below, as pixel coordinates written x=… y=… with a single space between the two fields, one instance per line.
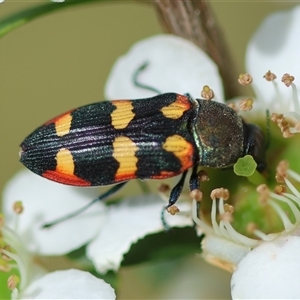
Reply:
x=112 y=142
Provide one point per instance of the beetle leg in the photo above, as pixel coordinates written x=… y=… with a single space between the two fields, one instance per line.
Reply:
x=174 y=195
x=176 y=191
x=102 y=197
x=194 y=180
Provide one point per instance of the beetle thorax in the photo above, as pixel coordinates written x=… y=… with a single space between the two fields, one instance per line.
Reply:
x=219 y=134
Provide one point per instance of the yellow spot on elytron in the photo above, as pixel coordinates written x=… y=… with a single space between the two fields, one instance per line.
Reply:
x=63 y=125
x=122 y=115
x=176 y=109
x=181 y=148
x=65 y=162
x=124 y=150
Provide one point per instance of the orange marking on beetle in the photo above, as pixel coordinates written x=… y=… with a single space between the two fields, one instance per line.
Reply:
x=165 y=174
x=58 y=117
x=64 y=172
x=63 y=124
x=65 y=178
x=182 y=149
x=124 y=150
x=123 y=114
x=176 y=109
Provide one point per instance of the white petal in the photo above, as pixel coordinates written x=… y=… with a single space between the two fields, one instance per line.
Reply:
x=46 y=201
x=175 y=65
x=69 y=284
x=275 y=47
x=270 y=271
x=128 y=222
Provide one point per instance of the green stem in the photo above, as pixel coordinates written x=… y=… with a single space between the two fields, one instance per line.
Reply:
x=256 y=178
x=20 y=18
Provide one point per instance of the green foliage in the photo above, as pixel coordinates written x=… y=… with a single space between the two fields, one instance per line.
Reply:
x=18 y=19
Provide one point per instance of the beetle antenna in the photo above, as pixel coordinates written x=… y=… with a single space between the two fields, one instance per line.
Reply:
x=138 y=84
x=268 y=127
x=102 y=197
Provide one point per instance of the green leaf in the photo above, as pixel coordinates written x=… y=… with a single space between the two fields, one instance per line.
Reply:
x=164 y=246
x=20 y=18
x=245 y=166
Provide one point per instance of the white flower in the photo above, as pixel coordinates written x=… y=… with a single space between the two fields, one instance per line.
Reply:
x=270 y=271
x=127 y=222
x=45 y=201
x=275 y=47
x=266 y=267
x=33 y=282
x=69 y=284
x=109 y=230
x=173 y=65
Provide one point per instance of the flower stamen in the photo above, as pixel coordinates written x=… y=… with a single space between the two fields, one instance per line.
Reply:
x=207 y=93
x=13 y=248
x=222 y=234
x=245 y=79
x=246 y=104
x=283 y=124
x=269 y=76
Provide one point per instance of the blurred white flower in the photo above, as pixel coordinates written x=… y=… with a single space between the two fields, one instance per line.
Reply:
x=69 y=284
x=45 y=201
x=32 y=281
x=173 y=65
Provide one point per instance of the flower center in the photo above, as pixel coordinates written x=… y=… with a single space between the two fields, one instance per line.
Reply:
x=223 y=245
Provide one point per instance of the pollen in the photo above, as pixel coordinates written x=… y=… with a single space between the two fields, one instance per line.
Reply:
x=5 y=266
x=196 y=194
x=4 y=256
x=246 y=104
x=280 y=189
x=219 y=193
x=251 y=227
x=228 y=208
x=264 y=193
x=18 y=207
x=283 y=124
x=173 y=210
x=245 y=79
x=282 y=168
x=233 y=106
x=203 y=176
x=287 y=79
x=227 y=217
x=13 y=281
x=269 y=76
x=207 y=93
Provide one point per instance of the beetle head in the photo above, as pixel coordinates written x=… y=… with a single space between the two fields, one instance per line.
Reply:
x=254 y=145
